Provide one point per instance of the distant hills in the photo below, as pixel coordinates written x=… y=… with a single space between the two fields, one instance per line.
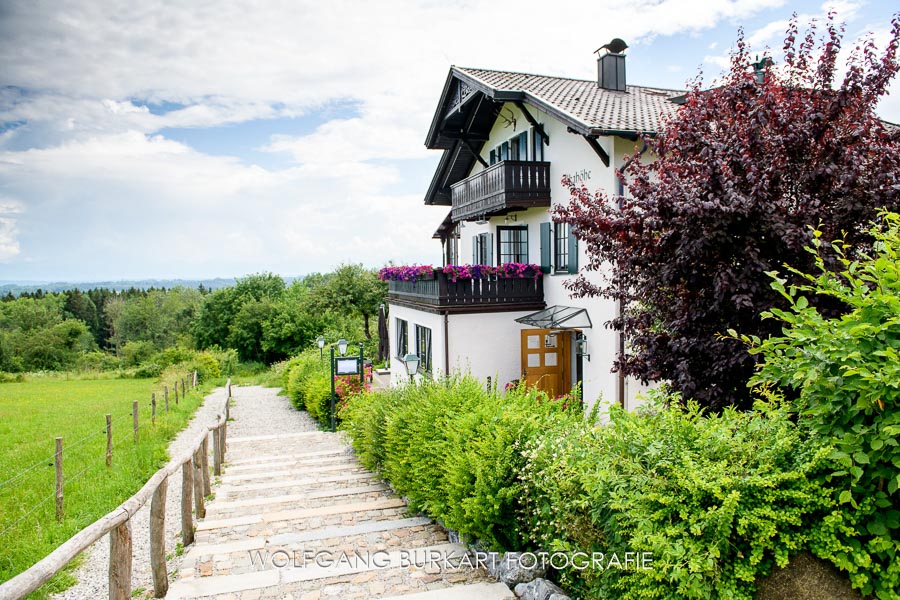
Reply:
x=19 y=287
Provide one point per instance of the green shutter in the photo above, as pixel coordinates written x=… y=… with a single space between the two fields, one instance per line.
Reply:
x=489 y=238
x=474 y=249
x=573 y=251
x=546 y=246
x=523 y=146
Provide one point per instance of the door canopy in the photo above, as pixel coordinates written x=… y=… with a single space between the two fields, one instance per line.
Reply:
x=558 y=317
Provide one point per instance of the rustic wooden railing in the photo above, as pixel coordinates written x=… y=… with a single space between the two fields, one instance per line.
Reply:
x=469 y=295
x=506 y=184
x=195 y=485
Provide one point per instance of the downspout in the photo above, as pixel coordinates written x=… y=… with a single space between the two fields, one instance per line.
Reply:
x=621 y=305
x=446 y=345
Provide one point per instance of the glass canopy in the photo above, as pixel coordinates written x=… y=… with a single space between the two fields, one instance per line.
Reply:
x=558 y=317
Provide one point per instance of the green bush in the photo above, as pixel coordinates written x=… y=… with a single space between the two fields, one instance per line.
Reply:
x=847 y=372
x=171 y=356
x=452 y=448
x=317 y=397
x=307 y=384
x=134 y=353
x=98 y=361
x=717 y=499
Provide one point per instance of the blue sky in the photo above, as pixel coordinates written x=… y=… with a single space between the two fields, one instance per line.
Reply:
x=220 y=138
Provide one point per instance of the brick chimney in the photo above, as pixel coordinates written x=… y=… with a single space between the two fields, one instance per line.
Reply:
x=611 y=65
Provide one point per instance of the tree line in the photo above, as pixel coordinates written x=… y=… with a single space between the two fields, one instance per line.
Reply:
x=261 y=317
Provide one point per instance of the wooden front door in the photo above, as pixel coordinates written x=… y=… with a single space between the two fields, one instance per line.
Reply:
x=545 y=360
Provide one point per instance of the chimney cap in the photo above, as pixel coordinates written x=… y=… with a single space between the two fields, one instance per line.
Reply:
x=615 y=46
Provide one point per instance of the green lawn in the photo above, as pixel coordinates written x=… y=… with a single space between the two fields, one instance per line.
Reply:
x=32 y=415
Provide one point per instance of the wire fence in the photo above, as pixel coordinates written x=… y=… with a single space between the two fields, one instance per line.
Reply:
x=87 y=458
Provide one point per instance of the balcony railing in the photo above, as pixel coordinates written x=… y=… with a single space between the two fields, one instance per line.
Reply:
x=503 y=185
x=469 y=295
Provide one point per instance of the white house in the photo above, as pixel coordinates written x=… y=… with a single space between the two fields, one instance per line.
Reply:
x=508 y=139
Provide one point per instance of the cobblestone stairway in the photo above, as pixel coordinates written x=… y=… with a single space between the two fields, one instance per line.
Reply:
x=297 y=517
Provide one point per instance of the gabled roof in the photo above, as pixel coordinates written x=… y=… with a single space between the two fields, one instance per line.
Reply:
x=589 y=108
x=471 y=100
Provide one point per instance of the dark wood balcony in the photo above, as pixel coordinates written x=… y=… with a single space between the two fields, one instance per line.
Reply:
x=502 y=186
x=492 y=294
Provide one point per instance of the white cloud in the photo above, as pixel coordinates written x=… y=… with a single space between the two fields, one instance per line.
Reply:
x=130 y=204
x=103 y=192
x=9 y=243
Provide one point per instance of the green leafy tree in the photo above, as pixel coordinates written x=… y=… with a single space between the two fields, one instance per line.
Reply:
x=353 y=289
x=247 y=330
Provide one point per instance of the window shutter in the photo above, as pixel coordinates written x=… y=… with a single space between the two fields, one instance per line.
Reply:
x=573 y=251
x=523 y=146
x=546 y=246
x=489 y=239
x=474 y=249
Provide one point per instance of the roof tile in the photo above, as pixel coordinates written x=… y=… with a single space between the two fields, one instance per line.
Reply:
x=636 y=109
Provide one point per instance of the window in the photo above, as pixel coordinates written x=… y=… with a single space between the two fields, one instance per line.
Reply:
x=518 y=147
x=451 y=256
x=512 y=245
x=537 y=145
x=423 y=345
x=481 y=249
x=561 y=247
x=402 y=336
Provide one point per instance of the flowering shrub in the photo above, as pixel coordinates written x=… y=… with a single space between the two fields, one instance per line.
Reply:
x=405 y=273
x=345 y=385
x=504 y=271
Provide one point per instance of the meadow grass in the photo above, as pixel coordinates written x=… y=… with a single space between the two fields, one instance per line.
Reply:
x=32 y=414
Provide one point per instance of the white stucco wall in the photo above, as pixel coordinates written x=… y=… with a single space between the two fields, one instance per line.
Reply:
x=415 y=317
x=488 y=344
x=569 y=154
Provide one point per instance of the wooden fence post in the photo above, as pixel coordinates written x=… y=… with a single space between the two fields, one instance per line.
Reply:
x=120 y=562
x=217 y=451
x=176 y=393
x=153 y=408
x=187 y=492
x=204 y=464
x=134 y=412
x=182 y=387
x=59 y=479
x=166 y=396
x=194 y=381
x=158 y=540
x=199 y=504
x=108 y=441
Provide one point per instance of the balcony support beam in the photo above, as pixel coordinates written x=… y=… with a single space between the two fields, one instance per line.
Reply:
x=474 y=152
x=595 y=146
x=538 y=127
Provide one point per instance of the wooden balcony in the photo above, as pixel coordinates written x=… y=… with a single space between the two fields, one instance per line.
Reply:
x=493 y=294
x=503 y=185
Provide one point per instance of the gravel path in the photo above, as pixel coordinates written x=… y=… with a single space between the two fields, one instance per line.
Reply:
x=257 y=411
x=93 y=575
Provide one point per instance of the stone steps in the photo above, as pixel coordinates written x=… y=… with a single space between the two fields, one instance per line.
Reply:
x=422 y=570
x=296 y=516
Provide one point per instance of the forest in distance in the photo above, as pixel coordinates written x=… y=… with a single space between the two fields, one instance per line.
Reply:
x=261 y=319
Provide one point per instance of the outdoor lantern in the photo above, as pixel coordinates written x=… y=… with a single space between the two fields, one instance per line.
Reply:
x=321 y=342
x=412 y=364
x=581 y=347
x=342 y=346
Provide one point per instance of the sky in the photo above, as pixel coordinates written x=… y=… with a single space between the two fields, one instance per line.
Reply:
x=199 y=139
